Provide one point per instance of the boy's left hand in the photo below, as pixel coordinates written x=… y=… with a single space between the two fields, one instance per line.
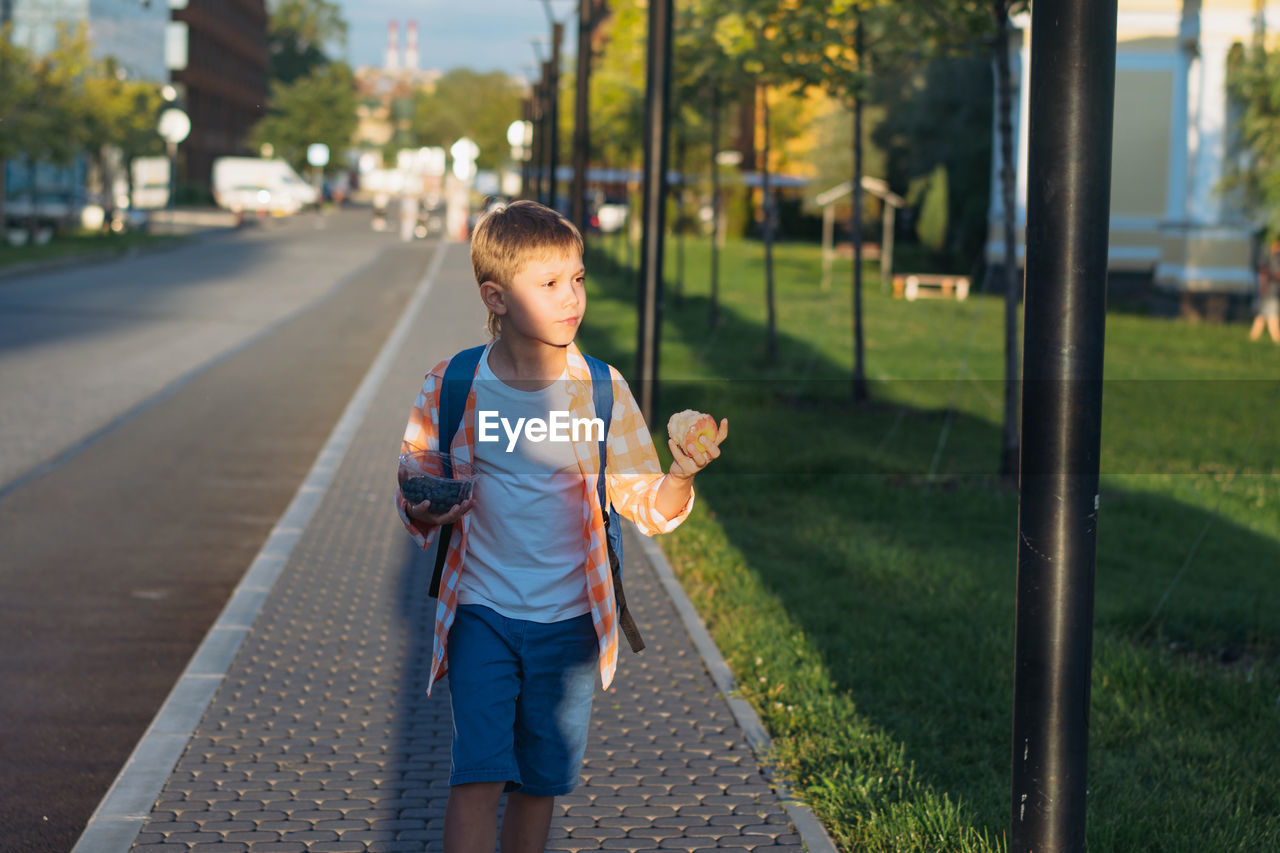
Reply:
x=684 y=465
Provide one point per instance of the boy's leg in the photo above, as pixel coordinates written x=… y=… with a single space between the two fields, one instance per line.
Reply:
x=471 y=817
x=483 y=691
x=558 y=679
x=526 y=823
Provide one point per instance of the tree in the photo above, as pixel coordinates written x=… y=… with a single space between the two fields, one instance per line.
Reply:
x=17 y=83
x=829 y=44
x=319 y=107
x=934 y=28
x=136 y=134
x=301 y=35
x=468 y=103
x=1253 y=84
x=943 y=117
x=52 y=106
x=617 y=93
x=119 y=116
x=1011 y=444
x=761 y=36
x=706 y=77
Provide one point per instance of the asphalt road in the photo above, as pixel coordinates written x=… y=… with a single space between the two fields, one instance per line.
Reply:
x=159 y=414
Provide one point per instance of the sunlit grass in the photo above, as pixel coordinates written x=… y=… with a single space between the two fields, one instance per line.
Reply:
x=73 y=245
x=856 y=565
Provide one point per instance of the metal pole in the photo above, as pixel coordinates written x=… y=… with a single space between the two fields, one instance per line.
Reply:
x=553 y=99
x=581 y=115
x=715 y=205
x=526 y=114
x=6 y=17
x=171 y=148
x=657 y=108
x=544 y=117
x=1073 y=61
x=859 y=343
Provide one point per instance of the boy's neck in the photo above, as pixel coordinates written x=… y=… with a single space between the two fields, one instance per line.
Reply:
x=528 y=365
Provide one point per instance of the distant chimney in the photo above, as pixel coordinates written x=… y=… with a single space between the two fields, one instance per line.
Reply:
x=411 y=47
x=392 y=61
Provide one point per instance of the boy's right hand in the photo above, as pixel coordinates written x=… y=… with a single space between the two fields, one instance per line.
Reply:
x=422 y=512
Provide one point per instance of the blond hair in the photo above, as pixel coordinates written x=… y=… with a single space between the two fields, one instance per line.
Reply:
x=510 y=236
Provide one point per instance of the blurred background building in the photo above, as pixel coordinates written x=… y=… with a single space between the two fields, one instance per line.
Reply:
x=386 y=93
x=216 y=51
x=132 y=31
x=1173 y=141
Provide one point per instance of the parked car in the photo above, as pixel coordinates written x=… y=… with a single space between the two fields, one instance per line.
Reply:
x=610 y=215
x=36 y=220
x=252 y=184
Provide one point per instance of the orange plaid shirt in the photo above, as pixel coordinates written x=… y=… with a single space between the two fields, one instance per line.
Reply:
x=633 y=475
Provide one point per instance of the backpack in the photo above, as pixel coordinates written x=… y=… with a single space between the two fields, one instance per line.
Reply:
x=458 y=377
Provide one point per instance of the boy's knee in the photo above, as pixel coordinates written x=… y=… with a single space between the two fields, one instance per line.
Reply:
x=477 y=793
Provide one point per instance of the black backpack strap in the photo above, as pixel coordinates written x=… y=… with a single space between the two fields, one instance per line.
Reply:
x=602 y=395
x=458 y=376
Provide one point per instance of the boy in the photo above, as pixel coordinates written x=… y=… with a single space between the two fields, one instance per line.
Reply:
x=527 y=614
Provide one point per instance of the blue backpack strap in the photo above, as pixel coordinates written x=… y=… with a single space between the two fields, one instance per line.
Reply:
x=602 y=396
x=458 y=376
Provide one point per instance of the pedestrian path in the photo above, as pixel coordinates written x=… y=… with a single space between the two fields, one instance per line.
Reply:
x=320 y=737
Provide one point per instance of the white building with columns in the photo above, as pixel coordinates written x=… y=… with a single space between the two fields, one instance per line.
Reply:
x=1173 y=137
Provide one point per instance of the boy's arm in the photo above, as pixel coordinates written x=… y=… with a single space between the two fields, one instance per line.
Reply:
x=421 y=433
x=657 y=503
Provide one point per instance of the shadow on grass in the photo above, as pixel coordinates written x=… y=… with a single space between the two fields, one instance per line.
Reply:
x=893 y=555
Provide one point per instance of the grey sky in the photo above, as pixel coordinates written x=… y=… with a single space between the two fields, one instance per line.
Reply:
x=486 y=35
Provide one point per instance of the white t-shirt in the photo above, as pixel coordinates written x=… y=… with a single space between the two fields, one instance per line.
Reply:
x=524 y=541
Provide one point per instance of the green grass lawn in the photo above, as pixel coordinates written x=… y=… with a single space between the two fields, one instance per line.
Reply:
x=856 y=565
x=64 y=246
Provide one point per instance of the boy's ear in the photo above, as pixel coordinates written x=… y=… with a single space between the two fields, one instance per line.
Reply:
x=494 y=297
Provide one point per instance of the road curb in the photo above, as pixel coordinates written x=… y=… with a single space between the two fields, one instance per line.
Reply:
x=812 y=833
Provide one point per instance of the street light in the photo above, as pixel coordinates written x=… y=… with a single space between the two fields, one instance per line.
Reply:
x=318 y=158
x=174 y=126
x=518 y=135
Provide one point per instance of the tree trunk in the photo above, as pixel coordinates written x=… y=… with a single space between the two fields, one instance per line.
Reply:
x=107 y=178
x=33 y=224
x=714 y=317
x=4 y=189
x=859 y=368
x=771 y=345
x=126 y=163
x=1009 y=450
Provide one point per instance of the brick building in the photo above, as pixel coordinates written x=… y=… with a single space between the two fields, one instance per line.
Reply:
x=217 y=53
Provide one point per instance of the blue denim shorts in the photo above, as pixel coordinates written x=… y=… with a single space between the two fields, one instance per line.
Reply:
x=521 y=695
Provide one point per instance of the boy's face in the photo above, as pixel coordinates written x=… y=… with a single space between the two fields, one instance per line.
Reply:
x=544 y=301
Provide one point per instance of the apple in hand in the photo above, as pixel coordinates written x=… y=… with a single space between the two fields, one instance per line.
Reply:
x=692 y=430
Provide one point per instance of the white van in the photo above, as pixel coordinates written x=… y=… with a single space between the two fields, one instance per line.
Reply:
x=249 y=184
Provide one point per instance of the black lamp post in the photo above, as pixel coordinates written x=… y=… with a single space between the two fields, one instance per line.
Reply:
x=1073 y=63
x=656 y=121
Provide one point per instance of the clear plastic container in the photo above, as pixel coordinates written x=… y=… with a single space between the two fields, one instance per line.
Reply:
x=422 y=477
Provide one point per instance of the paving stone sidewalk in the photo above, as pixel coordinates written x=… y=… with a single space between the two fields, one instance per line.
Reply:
x=321 y=738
